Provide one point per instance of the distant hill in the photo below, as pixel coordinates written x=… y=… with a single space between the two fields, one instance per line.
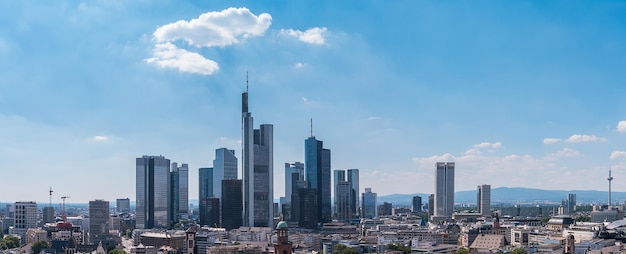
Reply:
x=515 y=195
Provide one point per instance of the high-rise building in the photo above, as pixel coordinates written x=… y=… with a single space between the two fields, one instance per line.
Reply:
x=232 y=204
x=353 y=178
x=369 y=204
x=122 y=205
x=24 y=217
x=338 y=176
x=302 y=212
x=205 y=184
x=48 y=214
x=179 y=189
x=483 y=201
x=343 y=201
x=317 y=167
x=258 y=170
x=431 y=205
x=416 y=204
x=294 y=172
x=153 y=192
x=444 y=189
x=210 y=212
x=224 y=167
x=571 y=203
x=98 y=221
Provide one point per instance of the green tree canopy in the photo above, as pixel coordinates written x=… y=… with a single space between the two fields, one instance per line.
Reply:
x=117 y=251
x=343 y=249
x=399 y=247
x=38 y=246
x=462 y=251
x=519 y=251
x=9 y=242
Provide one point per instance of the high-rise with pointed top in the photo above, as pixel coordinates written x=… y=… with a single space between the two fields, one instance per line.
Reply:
x=258 y=169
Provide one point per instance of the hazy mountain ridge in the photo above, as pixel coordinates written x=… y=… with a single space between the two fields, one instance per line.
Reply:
x=516 y=195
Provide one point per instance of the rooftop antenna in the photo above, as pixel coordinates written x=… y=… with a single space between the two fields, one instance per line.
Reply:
x=246 y=81
x=50 y=196
x=311 y=127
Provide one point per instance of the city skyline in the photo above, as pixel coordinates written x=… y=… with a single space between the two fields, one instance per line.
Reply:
x=507 y=90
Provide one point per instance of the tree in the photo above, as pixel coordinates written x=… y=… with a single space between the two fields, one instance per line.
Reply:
x=399 y=247
x=519 y=251
x=343 y=249
x=462 y=251
x=9 y=242
x=117 y=251
x=38 y=246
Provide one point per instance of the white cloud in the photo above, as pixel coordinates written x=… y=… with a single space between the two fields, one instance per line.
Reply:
x=373 y=118
x=577 y=138
x=551 y=140
x=298 y=66
x=473 y=151
x=314 y=35
x=617 y=155
x=98 y=138
x=211 y=29
x=167 y=55
x=304 y=99
x=488 y=145
x=565 y=152
x=621 y=126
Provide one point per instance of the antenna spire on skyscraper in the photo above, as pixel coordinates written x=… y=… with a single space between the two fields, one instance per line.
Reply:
x=246 y=81
x=311 y=126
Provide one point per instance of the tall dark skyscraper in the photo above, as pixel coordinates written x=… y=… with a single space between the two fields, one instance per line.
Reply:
x=258 y=170
x=317 y=167
x=179 y=189
x=98 y=221
x=353 y=179
x=232 y=204
x=416 y=204
x=205 y=184
x=153 y=192
x=209 y=210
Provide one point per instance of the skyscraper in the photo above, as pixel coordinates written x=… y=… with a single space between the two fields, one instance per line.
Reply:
x=153 y=192
x=369 y=204
x=343 y=201
x=571 y=202
x=224 y=167
x=98 y=221
x=179 y=189
x=353 y=178
x=258 y=170
x=24 y=217
x=483 y=201
x=416 y=204
x=205 y=184
x=232 y=204
x=122 y=205
x=294 y=172
x=338 y=176
x=317 y=167
x=444 y=189
x=209 y=210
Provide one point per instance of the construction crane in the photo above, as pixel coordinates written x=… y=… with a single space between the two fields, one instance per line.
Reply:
x=64 y=225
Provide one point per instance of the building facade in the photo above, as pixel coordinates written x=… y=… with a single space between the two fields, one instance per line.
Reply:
x=24 y=217
x=258 y=170
x=205 y=184
x=122 y=205
x=444 y=189
x=224 y=167
x=369 y=204
x=483 y=199
x=152 y=192
x=416 y=204
x=209 y=211
x=317 y=166
x=232 y=204
x=353 y=179
x=294 y=172
x=343 y=201
x=179 y=189
x=98 y=221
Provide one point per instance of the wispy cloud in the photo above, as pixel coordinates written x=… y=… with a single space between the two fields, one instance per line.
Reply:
x=373 y=118
x=298 y=65
x=617 y=155
x=565 y=152
x=488 y=145
x=315 y=35
x=99 y=138
x=576 y=138
x=167 y=55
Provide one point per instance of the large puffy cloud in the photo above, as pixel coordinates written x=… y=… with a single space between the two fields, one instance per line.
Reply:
x=167 y=55
x=216 y=28
x=315 y=35
x=621 y=126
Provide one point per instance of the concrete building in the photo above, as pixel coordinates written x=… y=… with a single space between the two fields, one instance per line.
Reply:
x=122 y=205
x=210 y=212
x=483 y=201
x=153 y=192
x=224 y=167
x=338 y=176
x=98 y=221
x=317 y=166
x=48 y=214
x=343 y=202
x=24 y=217
x=444 y=189
x=294 y=172
x=258 y=170
x=369 y=204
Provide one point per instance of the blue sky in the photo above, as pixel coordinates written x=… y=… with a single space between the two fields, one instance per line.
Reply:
x=517 y=93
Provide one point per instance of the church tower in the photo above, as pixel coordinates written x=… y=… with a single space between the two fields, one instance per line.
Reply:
x=283 y=245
